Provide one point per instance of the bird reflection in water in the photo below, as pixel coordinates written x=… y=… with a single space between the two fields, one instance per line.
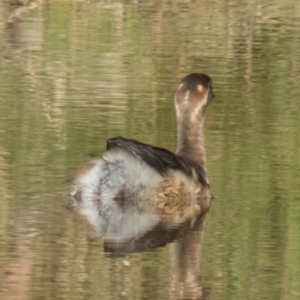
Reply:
x=140 y=197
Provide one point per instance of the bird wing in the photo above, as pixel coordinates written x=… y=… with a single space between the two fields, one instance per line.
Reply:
x=160 y=159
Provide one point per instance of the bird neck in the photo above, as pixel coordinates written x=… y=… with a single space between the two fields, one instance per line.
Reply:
x=190 y=136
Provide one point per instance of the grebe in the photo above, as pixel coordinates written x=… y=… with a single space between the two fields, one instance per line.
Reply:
x=137 y=186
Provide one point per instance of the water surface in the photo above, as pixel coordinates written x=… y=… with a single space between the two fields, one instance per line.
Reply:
x=74 y=73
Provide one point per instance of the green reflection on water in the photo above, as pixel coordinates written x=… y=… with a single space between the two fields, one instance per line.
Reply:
x=73 y=74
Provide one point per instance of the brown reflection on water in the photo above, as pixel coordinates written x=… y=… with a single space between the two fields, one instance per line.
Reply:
x=19 y=271
x=185 y=273
x=184 y=276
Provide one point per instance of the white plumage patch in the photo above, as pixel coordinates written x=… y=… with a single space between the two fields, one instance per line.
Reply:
x=100 y=192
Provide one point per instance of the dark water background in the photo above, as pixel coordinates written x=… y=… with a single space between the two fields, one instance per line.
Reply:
x=74 y=73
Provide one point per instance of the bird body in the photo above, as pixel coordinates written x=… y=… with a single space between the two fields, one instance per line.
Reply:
x=135 y=186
